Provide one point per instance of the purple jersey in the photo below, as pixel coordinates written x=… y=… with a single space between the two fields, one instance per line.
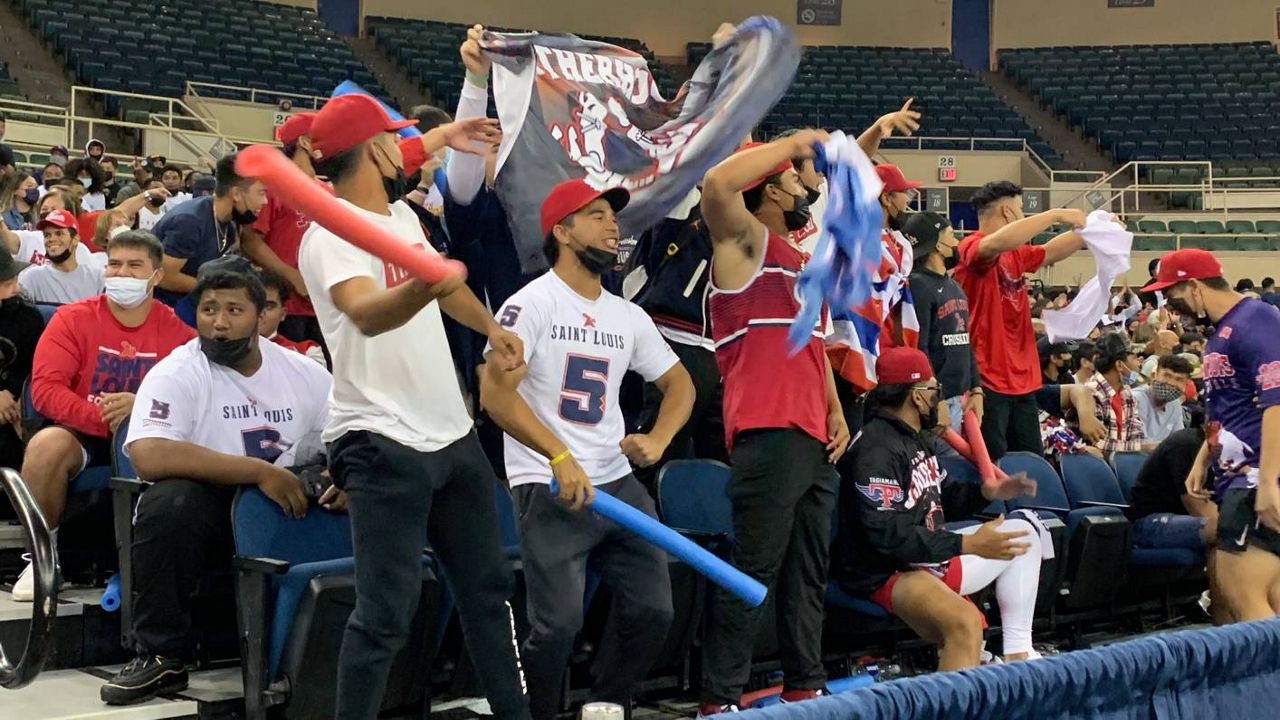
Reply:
x=1241 y=379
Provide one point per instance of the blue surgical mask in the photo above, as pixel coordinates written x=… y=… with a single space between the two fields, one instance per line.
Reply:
x=1131 y=379
x=86 y=182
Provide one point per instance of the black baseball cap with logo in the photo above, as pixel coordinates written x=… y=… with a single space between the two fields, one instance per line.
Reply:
x=922 y=230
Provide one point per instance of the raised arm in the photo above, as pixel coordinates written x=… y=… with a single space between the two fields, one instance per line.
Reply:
x=466 y=172
x=1020 y=232
x=905 y=121
x=723 y=208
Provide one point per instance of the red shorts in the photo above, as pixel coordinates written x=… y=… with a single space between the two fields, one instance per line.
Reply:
x=950 y=573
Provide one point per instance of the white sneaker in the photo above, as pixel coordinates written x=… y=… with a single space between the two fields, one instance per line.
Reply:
x=24 y=590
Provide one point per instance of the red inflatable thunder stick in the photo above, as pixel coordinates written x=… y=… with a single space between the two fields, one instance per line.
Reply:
x=284 y=180
x=976 y=452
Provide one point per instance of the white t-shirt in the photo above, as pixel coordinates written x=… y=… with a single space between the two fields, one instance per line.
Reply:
x=176 y=200
x=31 y=250
x=147 y=217
x=400 y=384
x=48 y=284
x=577 y=351
x=93 y=201
x=268 y=415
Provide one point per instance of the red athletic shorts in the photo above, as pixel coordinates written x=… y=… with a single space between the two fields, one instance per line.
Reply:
x=949 y=572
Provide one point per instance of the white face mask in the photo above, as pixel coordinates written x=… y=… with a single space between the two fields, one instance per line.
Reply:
x=128 y=292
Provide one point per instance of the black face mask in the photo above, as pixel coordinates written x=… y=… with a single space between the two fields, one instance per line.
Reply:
x=227 y=352
x=798 y=216
x=243 y=217
x=596 y=260
x=156 y=201
x=928 y=421
x=1183 y=308
x=897 y=221
x=812 y=196
x=60 y=257
x=395 y=187
x=951 y=262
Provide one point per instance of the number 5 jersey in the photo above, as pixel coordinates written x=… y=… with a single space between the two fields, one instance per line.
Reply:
x=577 y=351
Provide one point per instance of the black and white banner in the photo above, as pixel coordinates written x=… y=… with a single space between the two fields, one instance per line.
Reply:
x=579 y=108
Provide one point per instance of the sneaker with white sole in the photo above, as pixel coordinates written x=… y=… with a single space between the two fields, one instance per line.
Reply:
x=24 y=588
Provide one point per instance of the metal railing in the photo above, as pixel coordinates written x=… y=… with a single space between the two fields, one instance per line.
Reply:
x=253 y=95
x=44 y=609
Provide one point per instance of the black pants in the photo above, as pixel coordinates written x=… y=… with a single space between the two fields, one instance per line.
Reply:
x=399 y=499
x=783 y=492
x=181 y=530
x=702 y=436
x=556 y=546
x=1011 y=423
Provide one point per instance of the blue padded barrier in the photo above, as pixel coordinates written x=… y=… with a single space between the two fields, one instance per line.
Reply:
x=1227 y=672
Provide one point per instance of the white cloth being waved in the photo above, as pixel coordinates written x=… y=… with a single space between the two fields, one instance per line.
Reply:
x=399 y=384
x=271 y=415
x=577 y=351
x=1110 y=244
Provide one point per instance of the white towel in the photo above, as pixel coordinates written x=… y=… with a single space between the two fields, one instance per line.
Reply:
x=1110 y=244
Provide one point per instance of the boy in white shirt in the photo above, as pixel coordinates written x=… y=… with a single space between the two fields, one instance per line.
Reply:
x=400 y=440
x=226 y=409
x=64 y=279
x=562 y=422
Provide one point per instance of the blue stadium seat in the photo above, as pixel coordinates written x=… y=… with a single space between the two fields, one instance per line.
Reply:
x=1127 y=465
x=294 y=590
x=1096 y=538
x=692 y=498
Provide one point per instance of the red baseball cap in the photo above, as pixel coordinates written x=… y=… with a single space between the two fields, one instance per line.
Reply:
x=779 y=168
x=571 y=196
x=902 y=366
x=57 y=218
x=347 y=121
x=893 y=179
x=1182 y=265
x=296 y=126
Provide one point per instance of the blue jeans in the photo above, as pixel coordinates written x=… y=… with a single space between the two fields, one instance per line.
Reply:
x=1167 y=530
x=955 y=411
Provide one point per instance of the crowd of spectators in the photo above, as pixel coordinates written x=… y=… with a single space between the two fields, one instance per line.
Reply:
x=184 y=312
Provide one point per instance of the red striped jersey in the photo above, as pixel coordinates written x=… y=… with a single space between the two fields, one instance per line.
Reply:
x=764 y=386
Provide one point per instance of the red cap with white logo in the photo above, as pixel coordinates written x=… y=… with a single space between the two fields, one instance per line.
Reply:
x=1182 y=265
x=902 y=366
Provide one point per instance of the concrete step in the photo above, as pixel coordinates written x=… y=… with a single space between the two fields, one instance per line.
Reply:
x=1078 y=152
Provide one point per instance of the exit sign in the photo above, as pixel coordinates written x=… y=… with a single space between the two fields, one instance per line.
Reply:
x=946 y=174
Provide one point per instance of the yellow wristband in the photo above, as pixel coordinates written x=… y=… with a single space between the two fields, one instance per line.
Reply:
x=559 y=458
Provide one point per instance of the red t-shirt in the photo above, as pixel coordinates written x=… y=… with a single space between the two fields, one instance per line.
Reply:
x=298 y=347
x=87 y=224
x=85 y=352
x=282 y=229
x=1000 y=315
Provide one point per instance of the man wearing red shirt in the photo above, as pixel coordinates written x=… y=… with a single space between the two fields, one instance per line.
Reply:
x=88 y=364
x=279 y=293
x=272 y=241
x=993 y=263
